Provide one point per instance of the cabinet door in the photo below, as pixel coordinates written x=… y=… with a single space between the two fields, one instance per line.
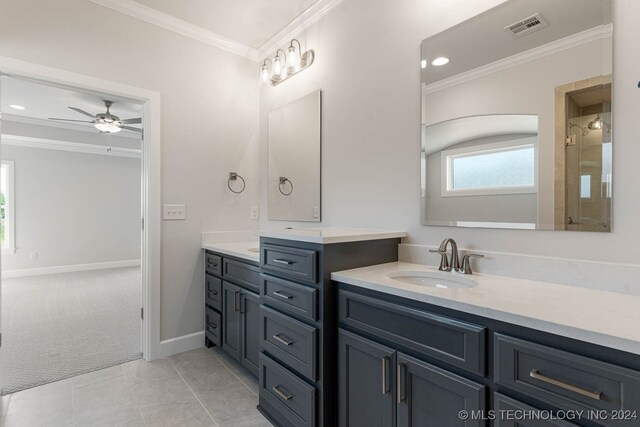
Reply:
x=366 y=378
x=250 y=336
x=231 y=322
x=429 y=396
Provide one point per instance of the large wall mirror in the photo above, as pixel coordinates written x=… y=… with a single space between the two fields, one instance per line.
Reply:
x=516 y=118
x=294 y=160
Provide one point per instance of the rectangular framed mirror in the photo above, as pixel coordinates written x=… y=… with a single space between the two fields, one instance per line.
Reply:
x=294 y=160
x=516 y=118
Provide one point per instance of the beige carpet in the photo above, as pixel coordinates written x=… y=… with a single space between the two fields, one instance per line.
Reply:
x=61 y=325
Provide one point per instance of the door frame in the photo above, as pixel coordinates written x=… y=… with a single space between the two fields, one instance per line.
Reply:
x=151 y=195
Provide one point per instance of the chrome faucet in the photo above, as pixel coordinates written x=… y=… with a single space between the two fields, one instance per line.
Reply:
x=453 y=263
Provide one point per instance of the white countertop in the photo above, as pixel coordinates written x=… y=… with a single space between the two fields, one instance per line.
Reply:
x=328 y=235
x=605 y=318
x=246 y=250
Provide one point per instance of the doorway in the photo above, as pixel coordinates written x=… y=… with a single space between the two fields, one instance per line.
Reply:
x=71 y=231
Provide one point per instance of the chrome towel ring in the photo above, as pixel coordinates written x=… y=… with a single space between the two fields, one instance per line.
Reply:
x=233 y=176
x=283 y=183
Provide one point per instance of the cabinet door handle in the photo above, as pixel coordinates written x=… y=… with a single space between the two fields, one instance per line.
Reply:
x=595 y=395
x=283 y=261
x=283 y=339
x=281 y=393
x=236 y=300
x=243 y=303
x=400 y=390
x=282 y=295
x=385 y=364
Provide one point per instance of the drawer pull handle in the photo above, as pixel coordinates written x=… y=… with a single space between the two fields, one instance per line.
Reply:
x=211 y=328
x=596 y=395
x=283 y=340
x=385 y=364
x=281 y=393
x=282 y=295
x=283 y=261
x=214 y=293
x=400 y=391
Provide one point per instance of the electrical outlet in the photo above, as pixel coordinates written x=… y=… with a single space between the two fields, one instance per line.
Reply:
x=255 y=212
x=174 y=212
x=33 y=256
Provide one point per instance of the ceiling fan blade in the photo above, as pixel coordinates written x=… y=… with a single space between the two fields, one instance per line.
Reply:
x=132 y=121
x=83 y=112
x=70 y=120
x=130 y=128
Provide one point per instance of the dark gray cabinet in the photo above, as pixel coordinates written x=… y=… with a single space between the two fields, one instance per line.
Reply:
x=298 y=330
x=449 y=361
x=380 y=386
x=429 y=396
x=367 y=377
x=233 y=308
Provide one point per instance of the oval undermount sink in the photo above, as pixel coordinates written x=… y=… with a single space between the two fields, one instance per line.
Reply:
x=433 y=279
x=254 y=250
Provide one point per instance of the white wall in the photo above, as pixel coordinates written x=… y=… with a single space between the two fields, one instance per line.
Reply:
x=73 y=208
x=209 y=122
x=368 y=66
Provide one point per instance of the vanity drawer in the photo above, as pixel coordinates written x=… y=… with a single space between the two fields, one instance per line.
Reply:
x=290 y=297
x=452 y=341
x=507 y=408
x=213 y=264
x=290 y=341
x=299 y=264
x=564 y=380
x=242 y=274
x=213 y=292
x=213 y=326
x=293 y=398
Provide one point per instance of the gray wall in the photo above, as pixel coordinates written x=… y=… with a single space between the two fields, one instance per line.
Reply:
x=73 y=208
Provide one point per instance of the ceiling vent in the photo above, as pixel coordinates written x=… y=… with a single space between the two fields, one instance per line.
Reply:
x=526 y=26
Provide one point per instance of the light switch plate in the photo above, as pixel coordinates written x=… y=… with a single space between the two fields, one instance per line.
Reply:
x=316 y=212
x=174 y=212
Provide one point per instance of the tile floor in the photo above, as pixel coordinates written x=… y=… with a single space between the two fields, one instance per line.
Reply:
x=203 y=387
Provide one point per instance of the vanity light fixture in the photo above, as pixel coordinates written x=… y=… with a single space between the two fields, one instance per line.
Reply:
x=284 y=65
x=440 y=61
x=17 y=107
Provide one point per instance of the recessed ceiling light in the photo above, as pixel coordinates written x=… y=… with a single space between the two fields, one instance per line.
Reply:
x=423 y=63
x=441 y=60
x=17 y=107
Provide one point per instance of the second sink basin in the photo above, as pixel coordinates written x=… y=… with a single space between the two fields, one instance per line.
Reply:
x=433 y=279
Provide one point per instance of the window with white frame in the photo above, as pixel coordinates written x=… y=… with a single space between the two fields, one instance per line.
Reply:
x=7 y=208
x=507 y=167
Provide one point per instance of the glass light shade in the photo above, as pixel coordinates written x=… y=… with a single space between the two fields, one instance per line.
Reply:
x=107 y=127
x=264 y=73
x=277 y=67
x=293 y=60
x=596 y=123
x=440 y=61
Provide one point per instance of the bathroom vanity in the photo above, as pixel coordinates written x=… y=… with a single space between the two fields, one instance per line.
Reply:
x=232 y=302
x=298 y=334
x=411 y=354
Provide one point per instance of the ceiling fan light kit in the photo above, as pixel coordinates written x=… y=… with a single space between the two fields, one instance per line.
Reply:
x=283 y=66
x=105 y=122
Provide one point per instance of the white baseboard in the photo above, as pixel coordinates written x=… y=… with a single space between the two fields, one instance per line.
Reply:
x=7 y=274
x=181 y=344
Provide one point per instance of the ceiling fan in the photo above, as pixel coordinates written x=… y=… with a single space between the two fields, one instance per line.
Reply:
x=105 y=122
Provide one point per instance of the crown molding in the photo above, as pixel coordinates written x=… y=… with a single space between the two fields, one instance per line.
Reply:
x=297 y=26
x=171 y=23
x=574 y=40
x=124 y=133
x=76 y=147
